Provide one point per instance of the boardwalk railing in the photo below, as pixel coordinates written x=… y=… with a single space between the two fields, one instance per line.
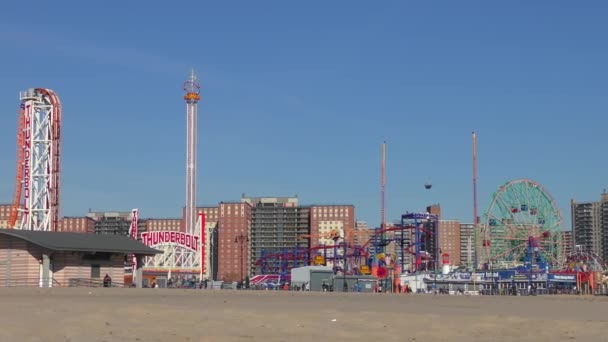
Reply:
x=38 y=282
x=27 y=282
x=90 y=282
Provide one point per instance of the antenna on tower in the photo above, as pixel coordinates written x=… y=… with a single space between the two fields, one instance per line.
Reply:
x=383 y=192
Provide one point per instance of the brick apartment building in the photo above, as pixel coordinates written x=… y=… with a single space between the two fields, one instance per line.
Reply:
x=567 y=242
x=76 y=225
x=5 y=214
x=211 y=239
x=163 y=224
x=327 y=218
x=329 y=221
x=233 y=241
x=362 y=233
x=449 y=240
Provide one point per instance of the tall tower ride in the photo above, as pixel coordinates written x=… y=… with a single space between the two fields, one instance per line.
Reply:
x=193 y=90
x=383 y=192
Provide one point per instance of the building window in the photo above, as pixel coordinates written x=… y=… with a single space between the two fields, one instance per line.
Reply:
x=95 y=271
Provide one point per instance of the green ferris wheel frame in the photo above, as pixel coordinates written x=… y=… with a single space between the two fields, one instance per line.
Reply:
x=522 y=225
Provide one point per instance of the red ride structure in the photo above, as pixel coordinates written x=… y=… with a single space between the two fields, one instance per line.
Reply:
x=37 y=182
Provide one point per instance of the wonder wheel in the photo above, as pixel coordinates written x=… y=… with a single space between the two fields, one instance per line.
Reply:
x=522 y=228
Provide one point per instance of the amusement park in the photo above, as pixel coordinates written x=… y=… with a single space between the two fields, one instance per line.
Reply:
x=294 y=171
x=519 y=246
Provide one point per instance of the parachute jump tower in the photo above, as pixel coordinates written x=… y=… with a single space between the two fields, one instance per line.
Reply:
x=38 y=161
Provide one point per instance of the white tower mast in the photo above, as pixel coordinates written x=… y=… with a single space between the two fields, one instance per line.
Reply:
x=192 y=89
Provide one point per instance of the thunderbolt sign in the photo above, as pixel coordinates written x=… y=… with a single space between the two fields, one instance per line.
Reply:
x=183 y=239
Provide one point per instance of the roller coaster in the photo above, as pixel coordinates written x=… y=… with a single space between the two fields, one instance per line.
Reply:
x=411 y=239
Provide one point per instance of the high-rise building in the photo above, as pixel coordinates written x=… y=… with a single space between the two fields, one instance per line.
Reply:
x=114 y=222
x=233 y=241
x=587 y=226
x=278 y=225
x=604 y=224
x=449 y=240
x=567 y=242
x=467 y=244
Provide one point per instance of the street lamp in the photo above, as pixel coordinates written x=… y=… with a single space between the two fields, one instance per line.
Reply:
x=211 y=251
x=241 y=239
x=344 y=285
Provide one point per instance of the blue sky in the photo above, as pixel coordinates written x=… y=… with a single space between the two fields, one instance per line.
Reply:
x=298 y=97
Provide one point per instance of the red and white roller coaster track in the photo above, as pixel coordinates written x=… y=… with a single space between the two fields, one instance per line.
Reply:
x=38 y=161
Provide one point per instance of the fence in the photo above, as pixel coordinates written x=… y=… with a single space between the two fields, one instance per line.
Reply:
x=27 y=282
x=90 y=282
x=38 y=282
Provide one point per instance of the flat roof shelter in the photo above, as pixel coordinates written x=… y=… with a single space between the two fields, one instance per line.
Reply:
x=47 y=259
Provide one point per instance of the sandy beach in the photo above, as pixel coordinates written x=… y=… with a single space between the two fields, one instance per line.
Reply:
x=98 y=314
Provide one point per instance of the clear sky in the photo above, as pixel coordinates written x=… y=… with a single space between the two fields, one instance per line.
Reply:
x=299 y=95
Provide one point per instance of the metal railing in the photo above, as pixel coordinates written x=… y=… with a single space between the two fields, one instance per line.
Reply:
x=91 y=282
x=28 y=282
x=41 y=282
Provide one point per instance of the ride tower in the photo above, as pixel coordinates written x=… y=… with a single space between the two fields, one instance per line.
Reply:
x=184 y=251
x=38 y=161
x=192 y=89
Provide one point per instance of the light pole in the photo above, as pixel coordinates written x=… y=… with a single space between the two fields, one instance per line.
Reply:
x=241 y=239
x=344 y=285
x=211 y=247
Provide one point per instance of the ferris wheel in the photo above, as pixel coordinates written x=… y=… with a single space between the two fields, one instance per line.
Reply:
x=522 y=228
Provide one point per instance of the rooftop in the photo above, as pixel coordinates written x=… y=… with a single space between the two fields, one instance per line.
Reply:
x=81 y=242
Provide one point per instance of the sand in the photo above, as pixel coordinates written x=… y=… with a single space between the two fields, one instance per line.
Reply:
x=98 y=314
